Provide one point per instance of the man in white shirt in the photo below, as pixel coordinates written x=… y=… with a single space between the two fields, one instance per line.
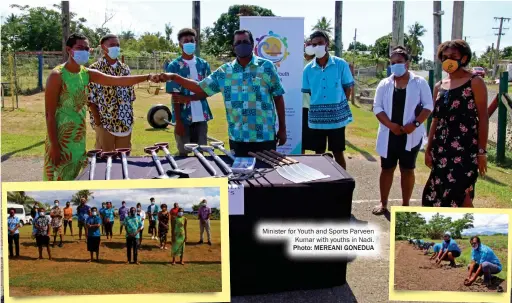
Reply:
x=191 y=117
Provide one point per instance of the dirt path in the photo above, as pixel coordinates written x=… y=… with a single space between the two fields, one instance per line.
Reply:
x=414 y=271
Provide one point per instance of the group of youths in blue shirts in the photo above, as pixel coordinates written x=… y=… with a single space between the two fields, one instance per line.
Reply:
x=484 y=261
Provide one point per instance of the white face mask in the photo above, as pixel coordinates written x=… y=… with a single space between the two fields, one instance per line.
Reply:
x=320 y=51
x=41 y=213
x=180 y=213
x=310 y=50
x=138 y=209
x=94 y=213
x=56 y=204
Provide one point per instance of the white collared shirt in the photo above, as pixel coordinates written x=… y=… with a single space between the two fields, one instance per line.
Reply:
x=417 y=92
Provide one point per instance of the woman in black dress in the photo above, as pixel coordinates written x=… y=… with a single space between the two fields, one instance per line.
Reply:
x=163 y=225
x=457 y=142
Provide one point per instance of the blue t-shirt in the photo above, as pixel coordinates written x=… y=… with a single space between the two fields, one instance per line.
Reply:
x=451 y=246
x=153 y=212
x=132 y=224
x=102 y=211
x=437 y=247
x=12 y=223
x=94 y=231
x=83 y=212
x=485 y=254
x=109 y=213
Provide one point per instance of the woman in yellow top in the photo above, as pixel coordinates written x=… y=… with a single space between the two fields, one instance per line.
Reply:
x=65 y=105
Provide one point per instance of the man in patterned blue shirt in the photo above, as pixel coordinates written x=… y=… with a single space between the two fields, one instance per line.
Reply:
x=191 y=118
x=329 y=81
x=13 y=236
x=252 y=93
x=133 y=225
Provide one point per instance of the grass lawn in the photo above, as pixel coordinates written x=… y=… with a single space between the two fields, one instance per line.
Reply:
x=69 y=274
x=497 y=243
x=24 y=130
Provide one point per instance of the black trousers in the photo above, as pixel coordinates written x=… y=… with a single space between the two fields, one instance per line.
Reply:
x=131 y=244
x=108 y=228
x=14 y=240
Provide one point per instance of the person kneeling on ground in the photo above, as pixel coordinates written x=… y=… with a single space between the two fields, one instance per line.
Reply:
x=427 y=246
x=93 y=234
x=419 y=244
x=450 y=250
x=483 y=262
x=437 y=250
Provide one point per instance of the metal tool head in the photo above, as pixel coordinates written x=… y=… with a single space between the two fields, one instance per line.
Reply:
x=184 y=172
x=123 y=150
x=94 y=152
x=191 y=146
x=168 y=175
x=162 y=145
x=151 y=149
x=206 y=148
x=217 y=144
x=112 y=154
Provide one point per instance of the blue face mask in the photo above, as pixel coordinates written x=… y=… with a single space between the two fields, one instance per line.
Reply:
x=114 y=52
x=189 y=48
x=398 y=69
x=81 y=56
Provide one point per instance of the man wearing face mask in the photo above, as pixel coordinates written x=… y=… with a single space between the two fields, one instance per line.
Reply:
x=142 y=216
x=449 y=251
x=133 y=226
x=153 y=210
x=192 y=117
x=203 y=215
x=65 y=106
x=93 y=234
x=309 y=54
x=483 y=262
x=110 y=107
x=82 y=212
x=56 y=215
x=402 y=103
x=13 y=233
x=42 y=226
x=252 y=93
x=329 y=81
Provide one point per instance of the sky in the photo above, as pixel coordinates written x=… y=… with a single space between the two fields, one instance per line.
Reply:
x=141 y=16
x=481 y=222
x=186 y=197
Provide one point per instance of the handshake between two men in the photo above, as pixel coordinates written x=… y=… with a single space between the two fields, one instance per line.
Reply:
x=191 y=85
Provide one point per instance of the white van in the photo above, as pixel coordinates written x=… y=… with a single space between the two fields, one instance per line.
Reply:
x=19 y=212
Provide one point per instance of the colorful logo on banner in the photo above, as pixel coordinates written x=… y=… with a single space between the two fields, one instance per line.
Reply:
x=272 y=47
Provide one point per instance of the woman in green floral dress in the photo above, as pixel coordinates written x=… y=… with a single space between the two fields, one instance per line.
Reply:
x=65 y=104
x=179 y=238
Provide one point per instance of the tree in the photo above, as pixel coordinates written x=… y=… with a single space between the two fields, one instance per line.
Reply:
x=410 y=224
x=225 y=26
x=84 y=193
x=19 y=197
x=416 y=31
x=324 y=25
x=506 y=53
x=381 y=47
x=127 y=35
x=195 y=207
x=458 y=226
x=438 y=225
x=359 y=46
x=168 y=31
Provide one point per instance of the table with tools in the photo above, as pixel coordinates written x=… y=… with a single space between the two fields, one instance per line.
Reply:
x=299 y=188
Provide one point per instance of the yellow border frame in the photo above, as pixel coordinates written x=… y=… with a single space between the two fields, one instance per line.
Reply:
x=224 y=296
x=445 y=296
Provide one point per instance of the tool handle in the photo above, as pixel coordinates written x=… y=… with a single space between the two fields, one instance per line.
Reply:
x=125 y=165
x=222 y=164
x=284 y=156
x=205 y=162
x=92 y=167
x=109 y=167
x=170 y=158
x=271 y=159
x=226 y=152
x=262 y=159
x=274 y=156
x=157 y=163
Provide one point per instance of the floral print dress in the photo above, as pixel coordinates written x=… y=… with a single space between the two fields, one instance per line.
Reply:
x=454 y=148
x=71 y=128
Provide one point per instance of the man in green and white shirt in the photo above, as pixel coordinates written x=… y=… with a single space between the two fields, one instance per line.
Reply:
x=309 y=54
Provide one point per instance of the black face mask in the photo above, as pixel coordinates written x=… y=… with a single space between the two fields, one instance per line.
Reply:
x=132 y=213
x=447 y=240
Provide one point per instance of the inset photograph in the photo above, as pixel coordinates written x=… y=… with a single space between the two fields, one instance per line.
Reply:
x=113 y=241
x=451 y=251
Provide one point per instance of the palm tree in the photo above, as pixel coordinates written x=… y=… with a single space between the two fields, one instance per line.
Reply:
x=84 y=193
x=323 y=25
x=415 y=32
x=168 y=31
x=19 y=197
x=127 y=35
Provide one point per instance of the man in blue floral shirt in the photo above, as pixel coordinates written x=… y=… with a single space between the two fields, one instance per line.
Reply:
x=191 y=118
x=252 y=93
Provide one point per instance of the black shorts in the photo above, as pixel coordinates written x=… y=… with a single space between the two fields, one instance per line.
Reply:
x=93 y=243
x=68 y=223
x=332 y=138
x=398 y=155
x=307 y=138
x=455 y=253
x=152 y=226
x=42 y=241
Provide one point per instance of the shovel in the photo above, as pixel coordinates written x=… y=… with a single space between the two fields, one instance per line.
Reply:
x=124 y=152
x=175 y=169
x=222 y=164
x=291 y=166
x=306 y=169
x=280 y=170
x=220 y=146
x=194 y=148
x=152 y=151
x=109 y=156
x=93 y=154
x=286 y=167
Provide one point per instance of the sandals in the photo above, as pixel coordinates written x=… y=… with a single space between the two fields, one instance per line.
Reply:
x=379 y=210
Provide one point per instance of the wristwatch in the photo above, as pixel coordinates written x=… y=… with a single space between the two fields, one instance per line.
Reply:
x=416 y=123
x=482 y=151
